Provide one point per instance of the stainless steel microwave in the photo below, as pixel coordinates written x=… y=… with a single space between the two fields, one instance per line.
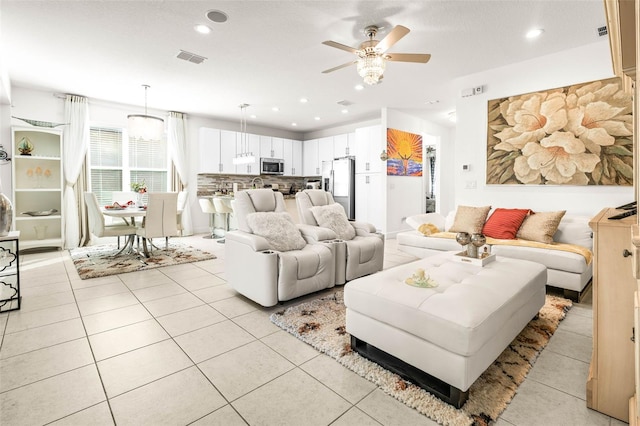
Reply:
x=271 y=166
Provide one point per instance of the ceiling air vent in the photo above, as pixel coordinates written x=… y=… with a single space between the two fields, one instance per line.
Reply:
x=191 y=57
x=602 y=31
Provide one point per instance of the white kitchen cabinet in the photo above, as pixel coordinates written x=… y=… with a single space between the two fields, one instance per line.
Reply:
x=227 y=151
x=275 y=148
x=265 y=147
x=325 y=151
x=369 y=205
x=340 y=145
x=310 y=166
x=344 y=145
x=369 y=144
x=37 y=188
x=209 y=151
x=271 y=147
x=292 y=153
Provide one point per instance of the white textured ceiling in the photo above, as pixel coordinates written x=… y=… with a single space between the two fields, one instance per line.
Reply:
x=269 y=53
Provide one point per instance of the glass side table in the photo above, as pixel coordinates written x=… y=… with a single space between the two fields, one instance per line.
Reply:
x=10 y=272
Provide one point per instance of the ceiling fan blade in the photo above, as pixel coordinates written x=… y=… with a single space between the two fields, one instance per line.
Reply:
x=392 y=38
x=408 y=57
x=339 y=46
x=338 y=67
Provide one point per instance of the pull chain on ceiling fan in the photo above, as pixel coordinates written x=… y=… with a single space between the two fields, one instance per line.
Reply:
x=372 y=57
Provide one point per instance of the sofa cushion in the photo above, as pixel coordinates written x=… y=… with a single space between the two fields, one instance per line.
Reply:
x=470 y=219
x=575 y=230
x=504 y=223
x=332 y=216
x=278 y=229
x=540 y=226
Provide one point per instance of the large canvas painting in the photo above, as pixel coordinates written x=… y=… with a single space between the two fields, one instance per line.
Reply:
x=404 y=151
x=574 y=135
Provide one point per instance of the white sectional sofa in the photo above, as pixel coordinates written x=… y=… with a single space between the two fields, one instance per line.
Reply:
x=567 y=269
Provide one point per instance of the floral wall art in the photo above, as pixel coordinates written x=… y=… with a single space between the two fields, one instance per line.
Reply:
x=575 y=135
x=404 y=152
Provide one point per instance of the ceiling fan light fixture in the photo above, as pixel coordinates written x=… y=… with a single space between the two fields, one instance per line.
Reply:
x=371 y=67
x=143 y=126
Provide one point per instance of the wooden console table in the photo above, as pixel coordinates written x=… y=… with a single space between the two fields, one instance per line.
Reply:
x=611 y=374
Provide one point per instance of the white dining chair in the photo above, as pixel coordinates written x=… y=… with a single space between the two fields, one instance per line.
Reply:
x=160 y=220
x=97 y=224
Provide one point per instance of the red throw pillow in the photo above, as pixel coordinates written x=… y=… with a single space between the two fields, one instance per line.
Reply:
x=504 y=223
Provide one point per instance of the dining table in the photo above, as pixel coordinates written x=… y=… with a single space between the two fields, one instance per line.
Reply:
x=131 y=213
x=127 y=214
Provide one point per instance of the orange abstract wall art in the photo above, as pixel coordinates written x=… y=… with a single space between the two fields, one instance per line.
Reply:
x=404 y=151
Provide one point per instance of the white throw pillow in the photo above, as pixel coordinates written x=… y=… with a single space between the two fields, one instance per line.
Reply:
x=332 y=216
x=278 y=229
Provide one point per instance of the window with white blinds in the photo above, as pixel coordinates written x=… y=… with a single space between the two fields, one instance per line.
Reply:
x=116 y=161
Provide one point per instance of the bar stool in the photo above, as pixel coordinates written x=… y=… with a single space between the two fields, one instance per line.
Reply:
x=207 y=206
x=223 y=207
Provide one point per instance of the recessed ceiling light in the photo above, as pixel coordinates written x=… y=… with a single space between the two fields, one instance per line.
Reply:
x=534 y=33
x=345 y=111
x=304 y=100
x=202 y=29
x=217 y=16
x=359 y=87
x=275 y=109
x=316 y=118
x=253 y=116
x=294 y=124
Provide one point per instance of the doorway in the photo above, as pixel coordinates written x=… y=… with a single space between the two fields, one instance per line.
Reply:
x=430 y=175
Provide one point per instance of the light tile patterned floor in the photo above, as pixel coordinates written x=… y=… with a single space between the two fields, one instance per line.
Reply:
x=176 y=345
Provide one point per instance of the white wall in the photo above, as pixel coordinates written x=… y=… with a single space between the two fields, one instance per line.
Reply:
x=583 y=64
x=406 y=195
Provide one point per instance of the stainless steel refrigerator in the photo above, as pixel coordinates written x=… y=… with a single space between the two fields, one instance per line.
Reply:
x=339 y=178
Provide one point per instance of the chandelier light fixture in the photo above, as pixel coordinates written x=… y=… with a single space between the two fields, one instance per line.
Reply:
x=371 y=66
x=244 y=156
x=143 y=126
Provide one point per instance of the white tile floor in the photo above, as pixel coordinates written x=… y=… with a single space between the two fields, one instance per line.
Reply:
x=176 y=345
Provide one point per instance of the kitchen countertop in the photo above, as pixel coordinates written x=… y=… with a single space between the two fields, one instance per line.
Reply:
x=285 y=194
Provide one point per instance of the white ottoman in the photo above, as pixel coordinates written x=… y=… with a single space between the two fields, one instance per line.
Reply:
x=443 y=338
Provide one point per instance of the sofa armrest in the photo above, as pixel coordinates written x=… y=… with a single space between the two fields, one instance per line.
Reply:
x=255 y=242
x=364 y=226
x=313 y=234
x=435 y=218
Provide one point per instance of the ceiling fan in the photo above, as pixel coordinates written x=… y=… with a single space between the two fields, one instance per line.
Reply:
x=371 y=55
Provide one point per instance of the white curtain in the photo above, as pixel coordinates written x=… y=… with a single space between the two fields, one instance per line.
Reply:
x=75 y=142
x=177 y=140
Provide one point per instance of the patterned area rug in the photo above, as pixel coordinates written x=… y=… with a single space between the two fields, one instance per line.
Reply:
x=321 y=323
x=100 y=261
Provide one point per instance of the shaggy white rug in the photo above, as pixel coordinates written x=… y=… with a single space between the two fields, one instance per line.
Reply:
x=321 y=323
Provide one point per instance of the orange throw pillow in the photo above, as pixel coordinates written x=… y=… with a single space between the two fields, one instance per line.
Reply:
x=503 y=224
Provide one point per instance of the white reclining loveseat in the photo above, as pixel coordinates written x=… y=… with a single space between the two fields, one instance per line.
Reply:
x=267 y=259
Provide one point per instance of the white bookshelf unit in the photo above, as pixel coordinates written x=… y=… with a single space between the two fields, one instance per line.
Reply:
x=37 y=188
